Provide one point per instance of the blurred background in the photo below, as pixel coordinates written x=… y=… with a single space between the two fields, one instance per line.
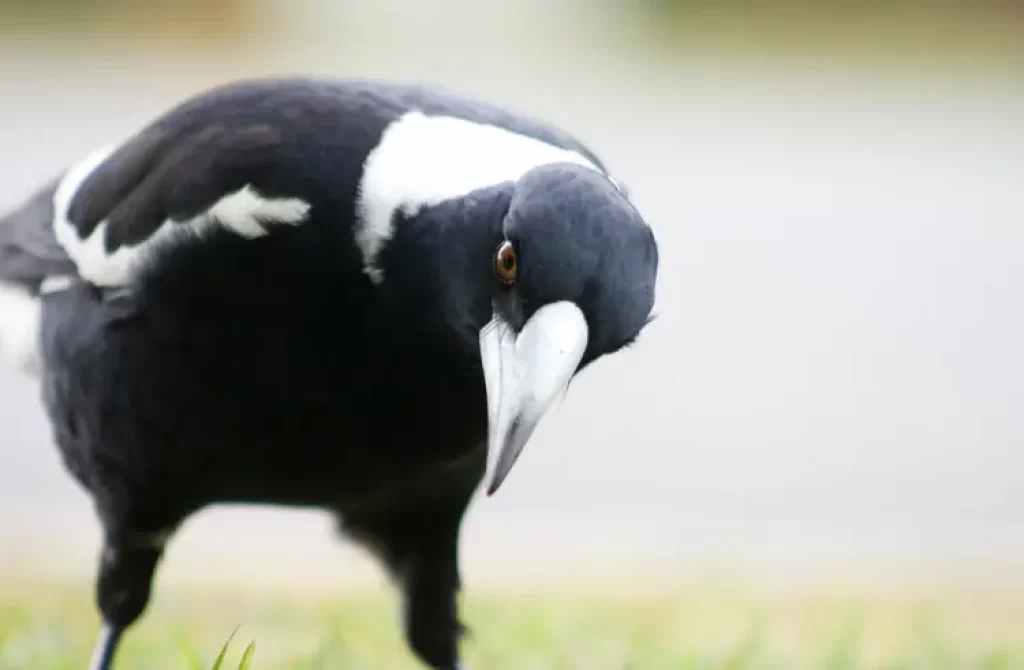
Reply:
x=835 y=384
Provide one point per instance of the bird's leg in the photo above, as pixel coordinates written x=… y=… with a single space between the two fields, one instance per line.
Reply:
x=418 y=543
x=103 y=652
x=429 y=582
x=126 y=570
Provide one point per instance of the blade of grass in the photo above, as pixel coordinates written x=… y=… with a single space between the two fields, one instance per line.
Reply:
x=223 y=651
x=247 y=656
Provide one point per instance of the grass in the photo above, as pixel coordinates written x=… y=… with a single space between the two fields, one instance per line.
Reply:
x=705 y=628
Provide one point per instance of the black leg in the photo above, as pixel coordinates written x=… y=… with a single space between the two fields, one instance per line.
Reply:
x=103 y=653
x=417 y=539
x=429 y=583
x=123 y=587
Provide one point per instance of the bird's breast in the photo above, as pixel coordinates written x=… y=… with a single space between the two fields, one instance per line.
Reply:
x=268 y=376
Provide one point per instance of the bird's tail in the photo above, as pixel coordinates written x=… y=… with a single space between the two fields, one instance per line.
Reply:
x=31 y=262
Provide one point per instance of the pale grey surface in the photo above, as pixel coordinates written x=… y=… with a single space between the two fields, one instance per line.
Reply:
x=837 y=369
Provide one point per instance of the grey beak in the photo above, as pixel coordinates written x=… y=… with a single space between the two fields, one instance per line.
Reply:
x=524 y=374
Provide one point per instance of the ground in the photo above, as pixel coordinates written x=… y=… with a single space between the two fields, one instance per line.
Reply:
x=723 y=626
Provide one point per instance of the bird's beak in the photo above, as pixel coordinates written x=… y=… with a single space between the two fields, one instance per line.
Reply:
x=524 y=374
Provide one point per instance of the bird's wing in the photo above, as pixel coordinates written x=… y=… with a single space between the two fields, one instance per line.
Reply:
x=113 y=209
x=31 y=262
x=29 y=251
x=109 y=211
x=242 y=157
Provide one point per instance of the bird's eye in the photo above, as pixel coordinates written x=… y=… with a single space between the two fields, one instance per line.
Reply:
x=506 y=264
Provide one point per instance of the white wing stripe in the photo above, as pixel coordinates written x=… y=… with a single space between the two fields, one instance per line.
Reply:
x=240 y=212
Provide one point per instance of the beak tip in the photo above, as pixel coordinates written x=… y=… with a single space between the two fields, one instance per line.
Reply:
x=493 y=487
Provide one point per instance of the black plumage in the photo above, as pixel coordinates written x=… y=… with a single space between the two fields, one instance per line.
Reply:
x=272 y=369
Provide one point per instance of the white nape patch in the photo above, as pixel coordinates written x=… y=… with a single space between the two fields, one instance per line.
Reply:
x=20 y=315
x=241 y=212
x=424 y=160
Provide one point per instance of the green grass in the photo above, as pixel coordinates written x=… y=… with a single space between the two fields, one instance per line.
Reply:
x=705 y=628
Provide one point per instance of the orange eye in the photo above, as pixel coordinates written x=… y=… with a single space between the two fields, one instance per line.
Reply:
x=506 y=264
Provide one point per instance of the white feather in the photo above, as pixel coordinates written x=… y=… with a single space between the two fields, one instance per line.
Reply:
x=19 y=327
x=55 y=283
x=425 y=160
x=241 y=212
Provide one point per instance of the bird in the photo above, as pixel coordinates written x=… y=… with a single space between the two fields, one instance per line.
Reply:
x=351 y=295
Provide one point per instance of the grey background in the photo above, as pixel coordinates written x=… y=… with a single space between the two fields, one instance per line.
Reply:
x=836 y=374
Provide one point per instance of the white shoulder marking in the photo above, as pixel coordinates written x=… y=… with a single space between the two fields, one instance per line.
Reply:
x=20 y=315
x=242 y=212
x=424 y=160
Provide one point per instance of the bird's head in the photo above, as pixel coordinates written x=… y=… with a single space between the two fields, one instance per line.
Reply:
x=571 y=278
x=540 y=276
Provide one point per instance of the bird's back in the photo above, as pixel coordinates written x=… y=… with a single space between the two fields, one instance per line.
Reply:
x=298 y=138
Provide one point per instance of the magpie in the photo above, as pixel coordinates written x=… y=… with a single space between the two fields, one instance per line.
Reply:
x=348 y=295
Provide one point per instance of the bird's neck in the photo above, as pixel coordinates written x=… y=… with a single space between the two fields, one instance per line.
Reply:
x=438 y=266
